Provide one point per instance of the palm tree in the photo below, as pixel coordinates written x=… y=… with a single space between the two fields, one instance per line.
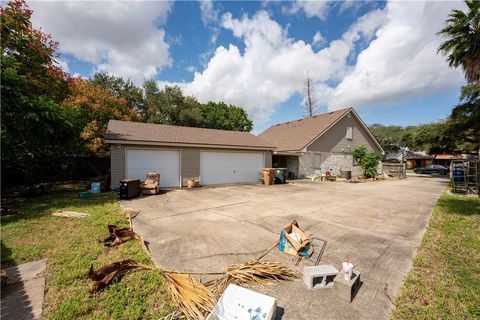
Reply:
x=462 y=40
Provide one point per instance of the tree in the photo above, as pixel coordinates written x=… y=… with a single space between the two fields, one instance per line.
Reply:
x=310 y=105
x=387 y=136
x=34 y=129
x=465 y=118
x=93 y=106
x=225 y=117
x=121 y=89
x=368 y=161
x=462 y=40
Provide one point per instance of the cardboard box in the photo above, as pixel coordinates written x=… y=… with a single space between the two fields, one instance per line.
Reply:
x=290 y=246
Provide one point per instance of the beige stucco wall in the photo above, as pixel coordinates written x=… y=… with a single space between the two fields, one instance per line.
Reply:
x=189 y=160
x=334 y=140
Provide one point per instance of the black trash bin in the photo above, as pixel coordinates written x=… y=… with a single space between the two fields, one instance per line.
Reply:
x=129 y=188
x=281 y=175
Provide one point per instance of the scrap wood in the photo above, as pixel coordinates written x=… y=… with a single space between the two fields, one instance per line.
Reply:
x=120 y=235
x=70 y=214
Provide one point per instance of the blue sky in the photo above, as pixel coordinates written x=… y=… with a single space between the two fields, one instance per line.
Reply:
x=379 y=57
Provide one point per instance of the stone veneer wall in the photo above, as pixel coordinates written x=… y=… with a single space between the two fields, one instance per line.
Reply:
x=314 y=162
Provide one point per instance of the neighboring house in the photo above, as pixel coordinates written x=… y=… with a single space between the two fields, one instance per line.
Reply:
x=182 y=153
x=415 y=159
x=320 y=143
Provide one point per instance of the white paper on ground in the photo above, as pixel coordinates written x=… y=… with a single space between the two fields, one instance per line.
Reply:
x=238 y=303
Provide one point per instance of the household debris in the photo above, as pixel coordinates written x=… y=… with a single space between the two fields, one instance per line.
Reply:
x=120 y=235
x=130 y=188
x=347 y=269
x=319 y=277
x=151 y=184
x=243 y=304
x=294 y=241
x=70 y=214
x=193 y=183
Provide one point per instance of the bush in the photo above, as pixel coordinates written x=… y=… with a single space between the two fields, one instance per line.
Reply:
x=368 y=161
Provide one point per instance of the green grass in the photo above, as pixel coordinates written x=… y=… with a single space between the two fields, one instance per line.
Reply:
x=410 y=171
x=70 y=246
x=445 y=280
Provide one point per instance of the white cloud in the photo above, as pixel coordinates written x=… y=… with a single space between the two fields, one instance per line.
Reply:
x=312 y=8
x=271 y=68
x=120 y=37
x=208 y=13
x=402 y=61
x=318 y=39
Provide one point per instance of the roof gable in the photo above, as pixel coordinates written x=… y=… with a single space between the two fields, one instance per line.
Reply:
x=297 y=135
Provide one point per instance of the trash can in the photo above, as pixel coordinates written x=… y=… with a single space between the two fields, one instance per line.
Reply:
x=96 y=187
x=281 y=175
x=458 y=176
x=268 y=176
x=129 y=188
x=347 y=175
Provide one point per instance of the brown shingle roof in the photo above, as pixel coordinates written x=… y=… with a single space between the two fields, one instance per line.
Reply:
x=138 y=132
x=296 y=135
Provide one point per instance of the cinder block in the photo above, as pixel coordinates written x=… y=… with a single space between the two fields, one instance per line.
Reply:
x=344 y=289
x=319 y=277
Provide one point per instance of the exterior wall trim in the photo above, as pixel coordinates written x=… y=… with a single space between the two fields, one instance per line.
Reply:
x=191 y=145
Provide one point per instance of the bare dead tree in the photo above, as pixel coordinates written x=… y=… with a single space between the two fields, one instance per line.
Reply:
x=310 y=105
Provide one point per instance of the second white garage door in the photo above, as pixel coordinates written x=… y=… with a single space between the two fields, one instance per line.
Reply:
x=141 y=161
x=230 y=167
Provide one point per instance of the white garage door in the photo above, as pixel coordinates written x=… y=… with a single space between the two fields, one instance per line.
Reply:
x=230 y=167
x=140 y=162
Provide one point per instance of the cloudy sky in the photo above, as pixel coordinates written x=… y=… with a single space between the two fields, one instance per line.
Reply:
x=379 y=57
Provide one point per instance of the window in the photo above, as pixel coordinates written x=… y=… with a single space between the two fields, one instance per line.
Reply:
x=349 y=133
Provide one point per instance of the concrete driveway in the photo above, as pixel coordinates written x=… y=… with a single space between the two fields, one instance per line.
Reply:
x=377 y=224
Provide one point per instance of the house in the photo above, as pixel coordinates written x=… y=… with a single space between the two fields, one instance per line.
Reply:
x=320 y=143
x=182 y=153
x=416 y=159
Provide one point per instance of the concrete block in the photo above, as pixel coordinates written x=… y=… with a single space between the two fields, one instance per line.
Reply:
x=344 y=289
x=319 y=277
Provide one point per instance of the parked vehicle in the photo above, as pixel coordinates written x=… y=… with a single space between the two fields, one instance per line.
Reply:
x=433 y=168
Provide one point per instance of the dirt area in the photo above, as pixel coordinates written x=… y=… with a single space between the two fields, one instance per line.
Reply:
x=378 y=225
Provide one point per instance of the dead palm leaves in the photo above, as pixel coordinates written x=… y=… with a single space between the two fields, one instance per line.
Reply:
x=192 y=297
x=119 y=235
x=106 y=274
x=254 y=272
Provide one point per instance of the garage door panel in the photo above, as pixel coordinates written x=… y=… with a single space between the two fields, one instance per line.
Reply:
x=230 y=167
x=167 y=163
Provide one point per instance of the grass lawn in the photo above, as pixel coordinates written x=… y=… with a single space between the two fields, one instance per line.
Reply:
x=445 y=280
x=70 y=246
x=410 y=171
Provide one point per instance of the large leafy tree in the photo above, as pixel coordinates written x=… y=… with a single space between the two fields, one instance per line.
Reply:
x=465 y=118
x=121 y=89
x=387 y=136
x=462 y=40
x=93 y=106
x=34 y=128
x=226 y=117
